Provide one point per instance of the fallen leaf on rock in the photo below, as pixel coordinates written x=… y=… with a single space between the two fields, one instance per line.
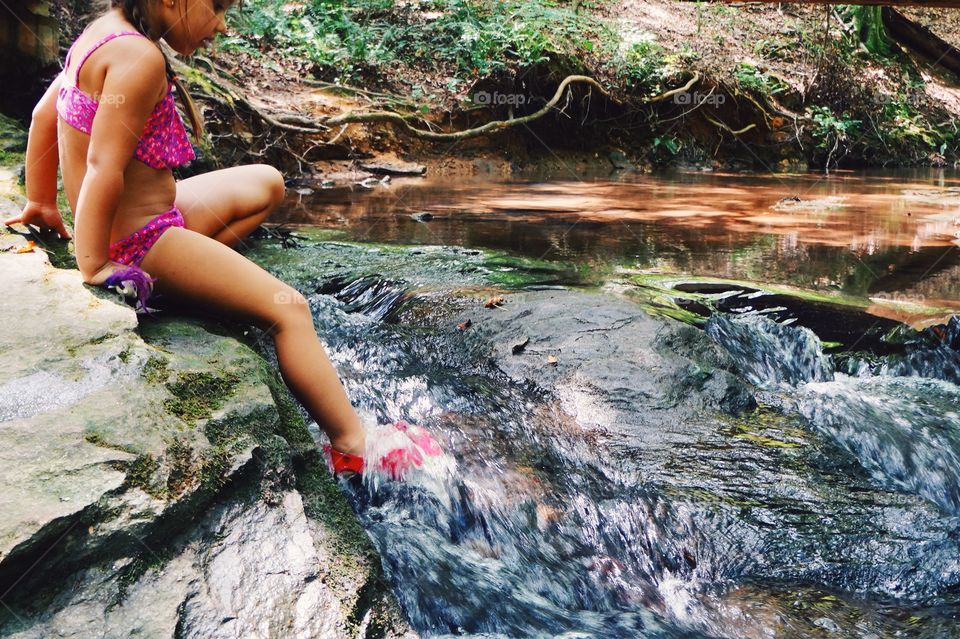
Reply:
x=552 y=360
x=28 y=248
x=494 y=302
x=517 y=348
x=462 y=326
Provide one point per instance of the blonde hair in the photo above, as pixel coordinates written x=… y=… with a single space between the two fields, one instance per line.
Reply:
x=135 y=12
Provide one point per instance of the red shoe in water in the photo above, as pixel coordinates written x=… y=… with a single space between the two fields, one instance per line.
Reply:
x=391 y=451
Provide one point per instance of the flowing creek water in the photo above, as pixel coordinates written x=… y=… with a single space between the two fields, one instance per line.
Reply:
x=784 y=462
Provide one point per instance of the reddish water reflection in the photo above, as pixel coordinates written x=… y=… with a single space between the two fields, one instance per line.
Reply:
x=863 y=233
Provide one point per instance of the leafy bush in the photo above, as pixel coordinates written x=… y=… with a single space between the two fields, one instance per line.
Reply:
x=465 y=37
x=752 y=79
x=903 y=126
x=643 y=64
x=831 y=131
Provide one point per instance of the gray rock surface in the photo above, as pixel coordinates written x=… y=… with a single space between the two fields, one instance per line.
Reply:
x=151 y=479
x=610 y=359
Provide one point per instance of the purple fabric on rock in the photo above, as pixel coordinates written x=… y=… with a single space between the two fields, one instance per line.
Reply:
x=131 y=276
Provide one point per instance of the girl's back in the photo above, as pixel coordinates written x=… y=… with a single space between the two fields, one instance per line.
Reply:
x=146 y=189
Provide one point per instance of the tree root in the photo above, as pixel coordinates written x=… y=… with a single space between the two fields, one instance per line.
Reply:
x=216 y=86
x=496 y=125
x=721 y=125
x=216 y=81
x=673 y=92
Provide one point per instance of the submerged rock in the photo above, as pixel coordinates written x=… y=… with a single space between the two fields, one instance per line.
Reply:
x=612 y=350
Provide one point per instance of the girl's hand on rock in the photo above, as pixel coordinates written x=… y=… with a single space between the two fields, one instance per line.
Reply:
x=43 y=216
x=100 y=277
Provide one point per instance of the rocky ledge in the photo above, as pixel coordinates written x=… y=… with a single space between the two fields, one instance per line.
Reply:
x=159 y=481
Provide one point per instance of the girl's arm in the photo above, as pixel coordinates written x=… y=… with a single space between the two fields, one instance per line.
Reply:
x=131 y=88
x=41 y=167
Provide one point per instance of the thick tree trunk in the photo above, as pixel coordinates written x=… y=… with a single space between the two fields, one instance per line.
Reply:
x=904 y=30
x=920 y=39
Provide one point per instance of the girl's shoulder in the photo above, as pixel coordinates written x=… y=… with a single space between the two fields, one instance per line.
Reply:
x=108 y=42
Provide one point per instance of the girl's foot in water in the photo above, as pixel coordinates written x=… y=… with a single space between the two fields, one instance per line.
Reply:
x=391 y=451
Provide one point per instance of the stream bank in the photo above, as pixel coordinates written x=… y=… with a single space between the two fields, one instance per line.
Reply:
x=709 y=86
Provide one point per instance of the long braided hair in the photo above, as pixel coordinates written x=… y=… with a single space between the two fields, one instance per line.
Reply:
x=133 y=10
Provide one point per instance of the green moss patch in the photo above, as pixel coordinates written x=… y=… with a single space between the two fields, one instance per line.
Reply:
x=324 y=501
x=142 y=474
x=95 y=437
x=767 y=428
x=291 y=426
x=197 y=394
x=156 y=370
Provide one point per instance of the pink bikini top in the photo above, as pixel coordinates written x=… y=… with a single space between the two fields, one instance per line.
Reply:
x=163 y=143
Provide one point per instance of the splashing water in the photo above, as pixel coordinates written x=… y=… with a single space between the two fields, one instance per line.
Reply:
x=833 y=509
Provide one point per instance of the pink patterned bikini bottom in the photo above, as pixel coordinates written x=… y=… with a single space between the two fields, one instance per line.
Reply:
x=133 y=248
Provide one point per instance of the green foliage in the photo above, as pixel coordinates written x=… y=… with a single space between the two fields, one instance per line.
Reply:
x=904 y=125
x=647 y=67
x=831 y=131
x=754 y=80
x=669 y=144
x=664 y=149
x=10 y=158
x=467 y=37
x=895 y=131
x=643 y=64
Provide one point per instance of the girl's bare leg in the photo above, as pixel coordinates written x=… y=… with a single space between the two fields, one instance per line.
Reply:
x=204 y=272
x=229 y=204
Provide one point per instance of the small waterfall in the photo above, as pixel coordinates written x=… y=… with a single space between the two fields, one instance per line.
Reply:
x=935 y=353
x=769 y=353
x=898 y=418
x=904 y=431
x=372 y=295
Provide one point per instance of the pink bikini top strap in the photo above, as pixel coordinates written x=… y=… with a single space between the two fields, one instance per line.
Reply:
x=102 y=41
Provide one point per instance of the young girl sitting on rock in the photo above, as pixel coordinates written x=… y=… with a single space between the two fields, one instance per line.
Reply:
x=112 y=114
